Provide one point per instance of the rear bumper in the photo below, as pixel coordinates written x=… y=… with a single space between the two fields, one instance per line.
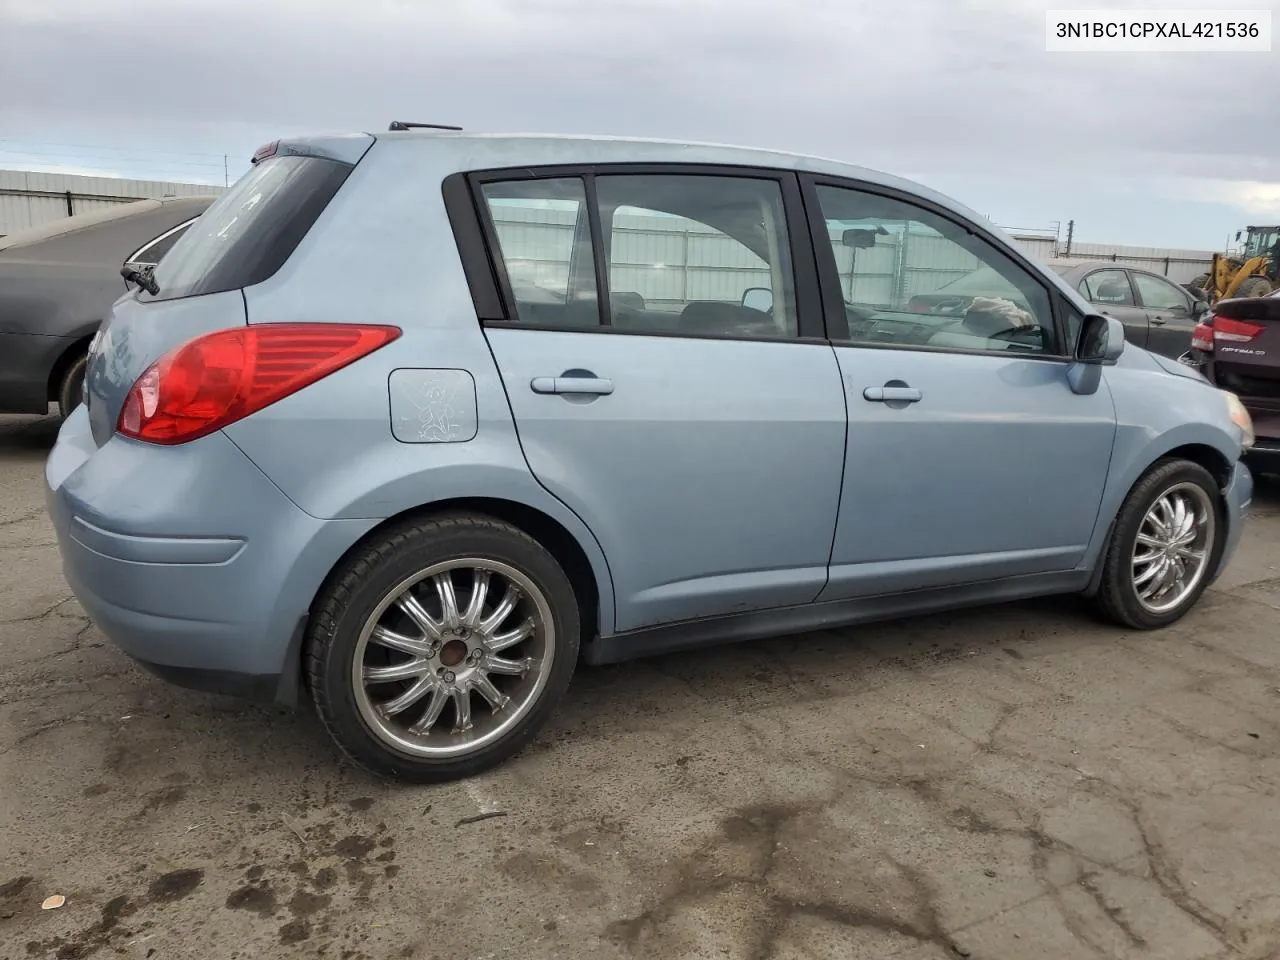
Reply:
x=1264 y=455
x=26 y=360
x=189 y=559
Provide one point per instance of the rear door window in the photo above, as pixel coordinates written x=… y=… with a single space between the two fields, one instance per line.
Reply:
x=1109 y=287
x=250 y=231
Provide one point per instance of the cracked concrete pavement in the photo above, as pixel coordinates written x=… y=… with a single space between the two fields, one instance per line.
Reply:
x=1010 y=782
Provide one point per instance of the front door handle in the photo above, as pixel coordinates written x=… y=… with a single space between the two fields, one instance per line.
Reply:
x=1158 y=321
x=891 y=394
x=594 y=386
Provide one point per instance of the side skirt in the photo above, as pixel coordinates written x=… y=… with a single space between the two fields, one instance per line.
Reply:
x=713 y=631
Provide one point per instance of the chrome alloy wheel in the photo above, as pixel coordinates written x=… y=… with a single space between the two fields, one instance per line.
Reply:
x=452 y=657
x=1174 y=546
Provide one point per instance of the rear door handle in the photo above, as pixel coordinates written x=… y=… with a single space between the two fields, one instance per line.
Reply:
x=595 y=386
x=883 y=394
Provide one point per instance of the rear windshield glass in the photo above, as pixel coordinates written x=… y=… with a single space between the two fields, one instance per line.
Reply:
x=251 y=230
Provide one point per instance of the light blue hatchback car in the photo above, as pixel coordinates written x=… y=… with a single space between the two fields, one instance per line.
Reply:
x=411 y=423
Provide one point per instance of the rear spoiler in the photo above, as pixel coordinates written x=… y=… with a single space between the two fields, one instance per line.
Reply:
x=1249 y=308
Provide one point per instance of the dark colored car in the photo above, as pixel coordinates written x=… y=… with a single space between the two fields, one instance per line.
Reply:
x=1237 y=348
x=1157 y=313
x=58 y=281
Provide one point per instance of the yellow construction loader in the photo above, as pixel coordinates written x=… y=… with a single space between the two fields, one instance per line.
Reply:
x=1255 y=272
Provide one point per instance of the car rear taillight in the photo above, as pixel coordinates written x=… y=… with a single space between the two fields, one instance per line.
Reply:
x=217 y=379
x=1202 y=336
x=1235 y=331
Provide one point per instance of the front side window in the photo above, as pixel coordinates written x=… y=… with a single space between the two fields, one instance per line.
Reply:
x=910 y=278
x=685 y=254
x=1160 y=294
x=1110 y=287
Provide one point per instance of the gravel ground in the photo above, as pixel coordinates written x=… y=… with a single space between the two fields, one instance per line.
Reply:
x=1012 y=782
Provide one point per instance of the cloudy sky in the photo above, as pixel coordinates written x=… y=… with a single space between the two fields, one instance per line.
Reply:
x=1155 y=149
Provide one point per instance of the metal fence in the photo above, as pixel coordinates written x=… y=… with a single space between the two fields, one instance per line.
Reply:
x=670 y=260
x=30 y=199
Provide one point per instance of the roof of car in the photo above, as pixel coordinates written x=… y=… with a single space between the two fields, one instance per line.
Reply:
x=516 y=149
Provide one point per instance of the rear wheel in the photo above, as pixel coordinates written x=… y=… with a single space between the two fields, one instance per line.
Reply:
x=1254 y=287
x=442 y=647
x=71 y=389
x=1166 y=543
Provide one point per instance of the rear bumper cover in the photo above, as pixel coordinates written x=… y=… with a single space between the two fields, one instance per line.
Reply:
x=189 y=559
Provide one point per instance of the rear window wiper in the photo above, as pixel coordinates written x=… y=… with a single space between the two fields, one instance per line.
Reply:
x=141 y=277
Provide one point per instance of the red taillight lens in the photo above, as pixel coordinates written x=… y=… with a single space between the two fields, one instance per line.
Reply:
x=222 y=377
x=1235 y=331
x=1202 y=336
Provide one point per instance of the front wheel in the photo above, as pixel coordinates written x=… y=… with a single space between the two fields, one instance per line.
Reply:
x=1167 y=540
x=441 y=647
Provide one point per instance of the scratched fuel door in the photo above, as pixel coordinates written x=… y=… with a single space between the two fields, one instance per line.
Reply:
x=432 y=406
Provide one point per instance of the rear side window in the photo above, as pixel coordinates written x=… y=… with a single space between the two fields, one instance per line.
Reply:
x=154 y=251
x=251 y=230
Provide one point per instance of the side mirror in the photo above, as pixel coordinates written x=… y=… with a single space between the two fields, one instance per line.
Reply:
x=758 y=298
x=1198 y=308
x=1101 y=340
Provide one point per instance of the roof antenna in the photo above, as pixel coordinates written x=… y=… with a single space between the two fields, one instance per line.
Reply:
x=407 y=125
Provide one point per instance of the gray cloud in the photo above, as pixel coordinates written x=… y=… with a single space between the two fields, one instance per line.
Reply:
x=925 y=87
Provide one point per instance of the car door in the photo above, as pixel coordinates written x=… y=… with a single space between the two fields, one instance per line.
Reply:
x=1172 y=313
x=701 y=438
x=969 y=457
x=1111 y=291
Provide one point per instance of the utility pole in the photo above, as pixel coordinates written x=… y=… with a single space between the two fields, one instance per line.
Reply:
x=1071 y=231
x=226 y=181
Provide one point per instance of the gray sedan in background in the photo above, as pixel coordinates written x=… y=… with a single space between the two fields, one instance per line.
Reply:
x=1157 y=313
x=58 y=281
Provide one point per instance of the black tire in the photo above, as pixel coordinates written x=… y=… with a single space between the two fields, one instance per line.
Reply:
x=1200 y=282
x=1117 y=596
x=1253 y=287
x=71 y=389
x=361 y=583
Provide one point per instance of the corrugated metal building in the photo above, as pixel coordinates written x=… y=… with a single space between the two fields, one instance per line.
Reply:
x=670 y=260
x=665 y=259
x=1179 y=266
x=28 y=199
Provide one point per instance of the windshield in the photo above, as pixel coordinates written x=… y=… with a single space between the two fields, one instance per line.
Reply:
x=1262 y=241
x=250 y=231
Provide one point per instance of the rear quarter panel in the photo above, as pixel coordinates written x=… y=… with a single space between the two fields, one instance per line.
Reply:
x=383 y=252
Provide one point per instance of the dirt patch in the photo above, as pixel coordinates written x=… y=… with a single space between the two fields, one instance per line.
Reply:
x=257 y=899
x=174 y=885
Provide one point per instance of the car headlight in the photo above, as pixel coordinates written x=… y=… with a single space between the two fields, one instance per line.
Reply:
x=1240 y=417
